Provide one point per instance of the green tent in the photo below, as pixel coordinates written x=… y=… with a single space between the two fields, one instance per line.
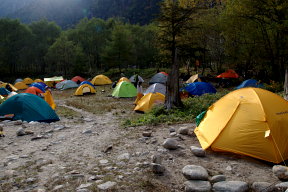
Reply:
x=28 y=107
x=124 y=89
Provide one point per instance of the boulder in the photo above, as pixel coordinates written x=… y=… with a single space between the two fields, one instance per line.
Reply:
x=195 y=172
x=197 y=186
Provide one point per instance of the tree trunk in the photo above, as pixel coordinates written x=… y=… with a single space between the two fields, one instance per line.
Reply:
x=172 y=98
x=286 y=85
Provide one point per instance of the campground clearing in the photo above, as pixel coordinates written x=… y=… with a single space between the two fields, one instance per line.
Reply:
x=89 y=147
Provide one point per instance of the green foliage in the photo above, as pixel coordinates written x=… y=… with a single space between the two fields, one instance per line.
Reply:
x=2 y=100
x=274 y=86
x=192 y=107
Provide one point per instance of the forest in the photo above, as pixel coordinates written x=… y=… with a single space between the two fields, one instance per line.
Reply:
x=248 y=36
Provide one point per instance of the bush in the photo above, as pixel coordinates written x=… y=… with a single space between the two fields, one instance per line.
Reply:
x=192 y=107
x=274 y=86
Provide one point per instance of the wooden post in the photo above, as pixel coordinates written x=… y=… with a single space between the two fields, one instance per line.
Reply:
x=286 y=85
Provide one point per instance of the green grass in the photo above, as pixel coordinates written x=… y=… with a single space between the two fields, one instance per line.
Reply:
x=192 y=107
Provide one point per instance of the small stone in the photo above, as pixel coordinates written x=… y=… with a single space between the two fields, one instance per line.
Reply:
x=156 y=159
x=84 y=186
x=147 y=134
x=228 y=168
x=197 y=151
x=10 y=173
x=120 y=176
x=77 y=175
x=218 y=178
x=20 y=132
x=58 y=187
x=281 y=186
x=195 y=172
x=88 y=119
x=280 y=171
x=170 y=144
x=262 y=187
x=197 y=186
x=30 y=180
x=173 y=134
x=172 y=130
x=40 y=190
x=124 y=157
x=157 y=168
x=109 y=148
x=103 y=161
x=107 y=185
x=18 y=122
x=230 y=186
x=88 y=131
x=183 y=130
x=59 y=127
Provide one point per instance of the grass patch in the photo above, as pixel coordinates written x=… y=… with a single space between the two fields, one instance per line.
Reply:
x=192 y=107
x=66 y=112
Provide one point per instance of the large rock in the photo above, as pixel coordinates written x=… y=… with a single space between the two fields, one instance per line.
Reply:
x=281 y=186
x=262 y=187
x=280 y=171
x=218 y=178
x=230 y=186
x=107 y=185
x=195 y=172
x=197 y=151
x=170 y=144
x=197 y=186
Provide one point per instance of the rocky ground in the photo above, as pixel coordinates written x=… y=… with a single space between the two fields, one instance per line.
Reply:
x=85 y=151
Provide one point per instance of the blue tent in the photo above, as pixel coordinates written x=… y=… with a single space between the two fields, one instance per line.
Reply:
x=86 y=82
x=28 y=107
x=199 y=88
x=39 y=86
x=4 y=92
x=249 y=83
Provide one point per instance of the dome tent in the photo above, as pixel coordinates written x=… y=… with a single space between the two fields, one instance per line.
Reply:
x=159 y=78
x=101 y=80
x=199 y=88
x=156 y=87
x=133 y=80
x=28 y=107
x=249 y=83
x=66 y=84
x=124 y=89
x=148 y=101
x=84 y=89
x=248 y=121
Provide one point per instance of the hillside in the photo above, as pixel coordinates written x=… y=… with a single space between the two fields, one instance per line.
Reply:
x=68 y=12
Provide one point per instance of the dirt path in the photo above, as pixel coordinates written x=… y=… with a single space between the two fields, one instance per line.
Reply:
x=93 y=149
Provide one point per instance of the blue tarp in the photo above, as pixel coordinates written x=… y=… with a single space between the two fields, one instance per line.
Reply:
x=249 y=83
x=39 y=86
x=28 y=107
x=199 y=88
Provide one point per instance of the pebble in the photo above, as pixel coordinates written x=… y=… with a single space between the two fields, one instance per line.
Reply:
x=183 y=130
x=103 y=161
x=30 y=180
x=282 y=186
x=88 y=131
x=230 y=186
x=107 y=185
x=172 y=130
x=10 y=173
x=58 y=187
x=197 y=186
x=280 y=171
x=156 y=158
x=173 y=134
x=170 y=144
x=218 y=178
x=147 y=134
x=228 y=168
x=20 y=132
x=157 y=168
x=59 y=127
x=195 y=172
x=197 y=151
x=124 y=157
x=84 y=186
x=262 y=187
x=18 y=122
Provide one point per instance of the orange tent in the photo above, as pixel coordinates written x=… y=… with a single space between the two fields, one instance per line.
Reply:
x=77 y=78
x=230 y=73
x=33 y=90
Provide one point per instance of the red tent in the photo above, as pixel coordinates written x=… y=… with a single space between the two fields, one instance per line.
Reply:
x=78 y=79
x=164 y=73
x=230 y=73
x=33 y=90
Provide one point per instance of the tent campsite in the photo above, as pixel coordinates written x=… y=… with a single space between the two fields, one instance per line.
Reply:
x=156 y=87
x=28 y=81
x=159 y=78
x=148 y=101
x=20 y=85
x=124 y=89
x=66 y=84
x=85 y=89
x=101 y=80
x=248 y=121
x=199 y=88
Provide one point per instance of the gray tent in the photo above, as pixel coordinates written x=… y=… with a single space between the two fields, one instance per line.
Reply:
x=159 y=78
x=132 y=79
x=156 y=87
x=18 y=80
x=67 y=84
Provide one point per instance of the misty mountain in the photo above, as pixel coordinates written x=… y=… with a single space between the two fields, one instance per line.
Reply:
x=67 y=13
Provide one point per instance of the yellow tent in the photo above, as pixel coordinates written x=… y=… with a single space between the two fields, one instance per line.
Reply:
x=28 y=81
x=85 y=88
x=38 y=80
x=20 y=85
x=148 y=101
x=12 y=87
x=49 y=99
x=249 y=121
x=194 y=78
x=123 y=79
x=101 y=80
